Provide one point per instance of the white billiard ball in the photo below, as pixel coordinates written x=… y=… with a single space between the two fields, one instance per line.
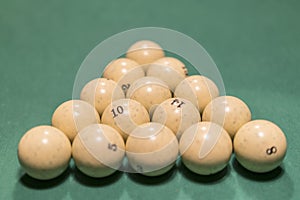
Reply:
x=98 y=150
x=205 y=148
x=74 y=115
x=145 y=52
x=170 y=70
x=152 y=149
x=149 y=91
x=44 y=152
x=227 y=111
x=178 y=114
x=200 y=90
x=174 y=63
x=124 y=71
x=260 y=146
x=125 y=115
x=100 y=92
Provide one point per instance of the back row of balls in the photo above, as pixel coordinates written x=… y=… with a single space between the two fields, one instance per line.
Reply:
x=126 y=100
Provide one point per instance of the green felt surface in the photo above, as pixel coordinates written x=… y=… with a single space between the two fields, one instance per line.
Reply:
x=255 y=44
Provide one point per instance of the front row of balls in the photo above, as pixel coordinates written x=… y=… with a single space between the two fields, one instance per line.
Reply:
x=151 y=149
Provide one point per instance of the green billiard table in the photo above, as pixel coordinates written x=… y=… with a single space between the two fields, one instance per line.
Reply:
x=255 y=45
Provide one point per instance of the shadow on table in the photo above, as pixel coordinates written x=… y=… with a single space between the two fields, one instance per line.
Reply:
x=85 y=187
x=205 y=179
x=32 y=183
x=165 y=186
x=269 y=176
x=96 y=182
x=209 y=187
x=153 y=180
x=27 y=187
x=275 y=184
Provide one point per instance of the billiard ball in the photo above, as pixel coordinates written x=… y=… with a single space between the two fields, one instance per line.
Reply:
x=98 y=150
x=145 y=52
x=100 y=92
x=152 y=149
x=205 y=148
x=74 y=115
x=173 y=63
x=178 y=114
x=167 y=67
x=125 y=115
x=44 y=152
x=200 y=90
x=260 y=146
x=124 y=71
x=149 y=91
x=228 y=111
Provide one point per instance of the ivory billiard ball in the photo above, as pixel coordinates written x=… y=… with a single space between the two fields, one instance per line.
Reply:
x=145 y=52
x=100 y=92
x=125 y=115
x=124 y=71
x=178 y=114
x=228 y=111
x=44 y=152
x=205 y=148
x=167 y=67
x=149 y=91
x=152 y=149
x=200 y=90
x=98 y=150
x=174 y=63
x=74 y=115
x=260 y=146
